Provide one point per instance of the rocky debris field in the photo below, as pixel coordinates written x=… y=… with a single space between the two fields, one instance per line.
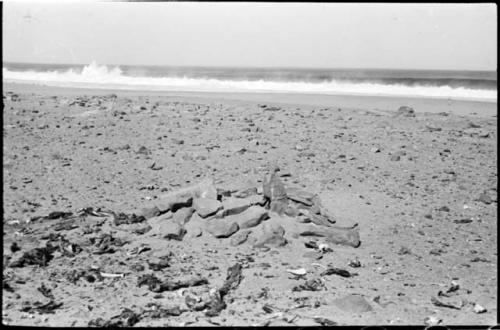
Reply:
x=129 y=210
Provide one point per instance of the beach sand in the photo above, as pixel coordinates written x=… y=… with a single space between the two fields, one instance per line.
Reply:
x=422 y=190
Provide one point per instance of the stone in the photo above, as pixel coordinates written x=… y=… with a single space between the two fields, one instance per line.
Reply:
x=184 y=197
x=194 y=231
x=206 y=207
x=233 y=206
x=173 y=201
x=250 y=217
x=168 y=230
x=335 y=235
x=405 y=111
x=486 y=199
x=240 y=237
x=183 y=215
x=353 y=304
x=150 y=212
x=270 y=234
x=273 y=189
x=221 y=228
x=194 y=226
x=319 y=220
x=300 y=196
x=291 y=211
x=246 y=192
x=206 y=189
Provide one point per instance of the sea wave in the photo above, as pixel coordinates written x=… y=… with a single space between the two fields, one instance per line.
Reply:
x=100 y=76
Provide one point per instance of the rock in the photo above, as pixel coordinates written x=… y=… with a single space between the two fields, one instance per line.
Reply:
x=149 y=212
x=313 y=255
x=167 y=229
x=183 y=215
x=270 y=234
x=486 y=199
x=405 y=111
x=240 y=237
x=395 y=158
x=221 y=228
x=274 y=191
x=233 y=206
x=250 y=217
x=194 y=231
x=319 y=220
x=341 y=236
x=206 y=207
x=353 y=304
x=174 y=201
x=432 y=320
x=183 y=197
x=246 y=192
x=194 y=226
x=300 y=196
x=143 y=151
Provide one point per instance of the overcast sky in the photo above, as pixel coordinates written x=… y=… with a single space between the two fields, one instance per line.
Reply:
x=409 y=36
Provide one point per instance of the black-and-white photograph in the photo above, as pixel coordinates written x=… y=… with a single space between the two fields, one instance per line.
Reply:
x=171 y=164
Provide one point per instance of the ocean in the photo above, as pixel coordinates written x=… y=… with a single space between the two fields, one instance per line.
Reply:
x=456 y=85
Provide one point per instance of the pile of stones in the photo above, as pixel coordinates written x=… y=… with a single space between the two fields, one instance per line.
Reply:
x=259 y=216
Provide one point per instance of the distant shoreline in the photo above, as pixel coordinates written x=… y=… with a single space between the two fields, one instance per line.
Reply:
x=377 y=103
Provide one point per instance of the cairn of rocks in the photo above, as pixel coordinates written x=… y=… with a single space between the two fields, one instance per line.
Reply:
x=260 y=217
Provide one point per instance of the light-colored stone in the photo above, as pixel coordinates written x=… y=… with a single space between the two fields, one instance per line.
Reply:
x=168 y=230
x=206 y=207
x=341 y=236
x=353 y=304
x=233 y=206
x=240 y=237
x=183 y=197
x=300 y=196
x=221 y=228
x=251 y=217
x=183 y=215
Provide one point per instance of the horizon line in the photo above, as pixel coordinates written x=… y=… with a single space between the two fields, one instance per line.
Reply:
x=250 y=67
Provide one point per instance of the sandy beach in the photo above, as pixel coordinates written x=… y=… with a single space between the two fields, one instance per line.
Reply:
x=418 y=188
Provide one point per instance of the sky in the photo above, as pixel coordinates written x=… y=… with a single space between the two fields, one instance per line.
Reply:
x=309 y=35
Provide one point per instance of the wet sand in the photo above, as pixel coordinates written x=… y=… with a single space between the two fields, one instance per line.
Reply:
x=421 y=188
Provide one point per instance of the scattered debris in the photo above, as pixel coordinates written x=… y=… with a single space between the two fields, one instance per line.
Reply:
x=432 y=320
x=127 y=318
x=156 y=285
x=297 y=272
x=325 y=322
x=337 y=271
x=355 y=263
x=233 y=279
x=310 y=285
x=122 y=218
x=37 y=306
x=436 y=302
x=37 y=256
x=478 y=309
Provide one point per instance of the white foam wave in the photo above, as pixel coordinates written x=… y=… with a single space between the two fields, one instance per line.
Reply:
x=96 y=76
